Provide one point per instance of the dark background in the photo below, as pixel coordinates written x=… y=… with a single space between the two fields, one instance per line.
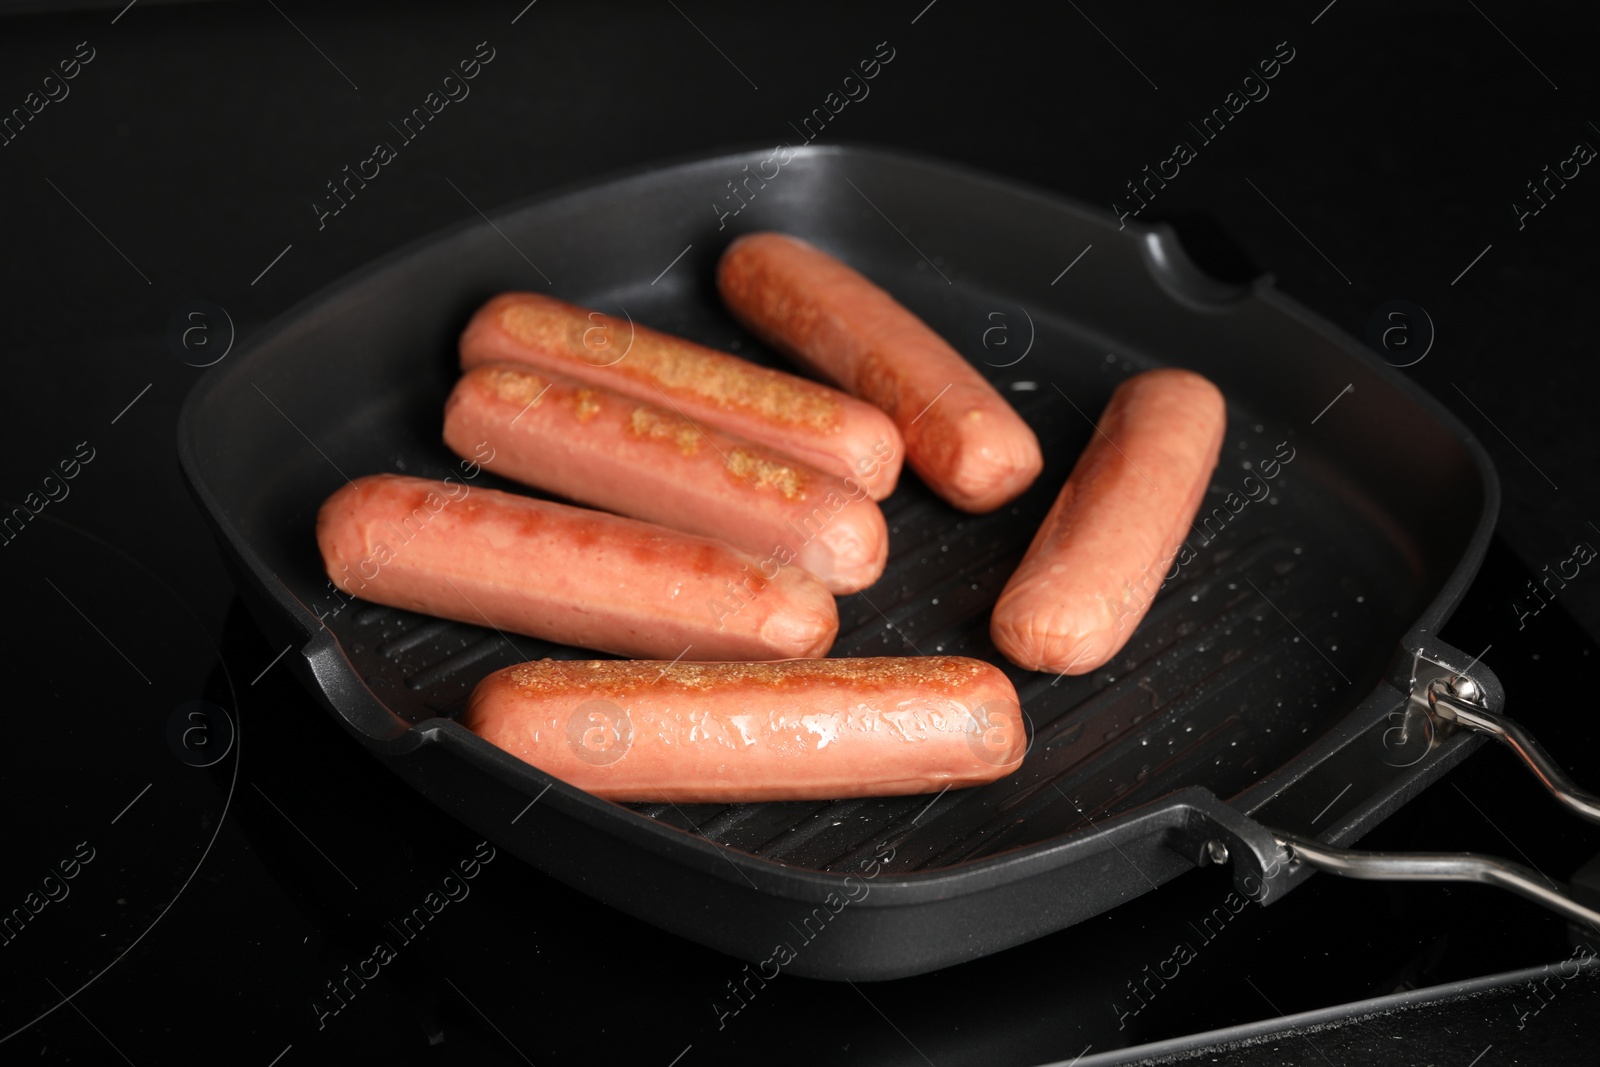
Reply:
x=192 y=147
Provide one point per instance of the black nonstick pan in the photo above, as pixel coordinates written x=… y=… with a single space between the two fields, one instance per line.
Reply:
x=1276 y=695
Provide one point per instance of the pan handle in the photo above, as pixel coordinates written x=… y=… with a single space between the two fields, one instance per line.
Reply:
x=1456 y=701
x=1438 y=867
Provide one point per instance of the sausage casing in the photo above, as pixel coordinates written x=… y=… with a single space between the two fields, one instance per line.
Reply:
x=611 y=451
x=1103 y=550
x=961 y=435
x=732 y=732
x=814 y=423
x=565 y=574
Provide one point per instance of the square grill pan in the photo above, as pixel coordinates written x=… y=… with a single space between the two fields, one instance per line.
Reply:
x=1267 y=677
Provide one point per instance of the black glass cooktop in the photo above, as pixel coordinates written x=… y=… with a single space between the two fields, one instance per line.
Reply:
x=201 y=866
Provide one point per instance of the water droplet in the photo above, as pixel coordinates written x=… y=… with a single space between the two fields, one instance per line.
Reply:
x=1067 y=736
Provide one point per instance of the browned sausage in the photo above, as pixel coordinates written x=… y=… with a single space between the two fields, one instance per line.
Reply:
x=961 y=436
x=731 y=732
x=565 y=574
x=832 y=432
x=607 y=450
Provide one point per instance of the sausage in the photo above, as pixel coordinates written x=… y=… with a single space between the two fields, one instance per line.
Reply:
x=565 y=574
x=1103 y=551
x=601 y=448
x=732 y=732
x=813 y=423
x=961 y=436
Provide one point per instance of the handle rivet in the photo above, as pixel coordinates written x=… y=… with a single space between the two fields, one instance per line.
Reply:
x=1215 y=851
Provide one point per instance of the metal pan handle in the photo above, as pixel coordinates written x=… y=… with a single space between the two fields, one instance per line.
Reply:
x=1456 y=701
x=1438 y=867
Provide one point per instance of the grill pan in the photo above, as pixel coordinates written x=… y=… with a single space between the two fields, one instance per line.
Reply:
x=1276 y=691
